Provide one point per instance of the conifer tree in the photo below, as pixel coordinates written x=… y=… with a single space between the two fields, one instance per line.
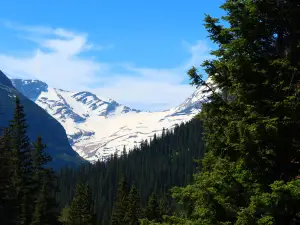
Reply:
x=39 y=159
x=151 y=167
x=134 y=210
x=75 y=207
x=153 y=209
x=163 y=210
x=22 y=166
x=124 y=152
x=44 y=186
x=251 y=121
x=120 y=208
x=81 y=208
x=41 y=208
x=88 y=216
x=27 y=188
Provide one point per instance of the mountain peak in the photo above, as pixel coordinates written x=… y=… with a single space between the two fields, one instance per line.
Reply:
x=30 y=88
x=40 y=123
x=97 y=127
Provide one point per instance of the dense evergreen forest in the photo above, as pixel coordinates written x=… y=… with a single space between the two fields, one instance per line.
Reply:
x=27 y=187
x=155 y=166
x=250 y=127
x=32 y=194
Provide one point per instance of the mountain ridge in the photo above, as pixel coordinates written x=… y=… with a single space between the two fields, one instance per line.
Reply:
x=53 y=134
x=97 y=128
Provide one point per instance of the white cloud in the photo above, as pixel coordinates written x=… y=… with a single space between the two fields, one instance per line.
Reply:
x=144 y=93
x=199 y=53
x=57 y=61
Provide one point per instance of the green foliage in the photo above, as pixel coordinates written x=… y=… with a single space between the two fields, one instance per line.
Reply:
x=39 y=156
x=38 y=217
x=81 y=208
x=134 y=208
x=251 y=120
x=27 y=189
x=154 y=166
x=121 y=209
x=279 y=205
x=65 y=215
x=44 y=180
x=153 y=209
x=5 y=174
x=21 y=179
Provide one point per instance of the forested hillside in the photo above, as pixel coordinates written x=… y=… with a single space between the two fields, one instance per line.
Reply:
x=249 y=127
x=166 y=161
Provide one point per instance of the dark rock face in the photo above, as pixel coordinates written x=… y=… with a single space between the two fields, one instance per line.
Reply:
x=40 y=123
x=30 y=88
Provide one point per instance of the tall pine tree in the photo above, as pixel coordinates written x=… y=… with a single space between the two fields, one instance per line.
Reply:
x=27 y=188
x=45 y=209
x=134 y=210
x=22 y=166
x=120 y=208
x=251 y=121
x=81 y=208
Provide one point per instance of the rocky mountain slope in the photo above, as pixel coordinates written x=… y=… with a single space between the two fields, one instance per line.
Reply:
x=97 y=127
x=39 y=123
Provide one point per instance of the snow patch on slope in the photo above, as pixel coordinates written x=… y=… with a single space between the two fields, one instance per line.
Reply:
x=97 y=128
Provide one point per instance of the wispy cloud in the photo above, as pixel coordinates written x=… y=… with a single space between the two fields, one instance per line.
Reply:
x=58 y=61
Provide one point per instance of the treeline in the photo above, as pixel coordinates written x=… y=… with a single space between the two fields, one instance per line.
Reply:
x=27 y=188
x=127 y=208
x=121 y=190
x=154 y=167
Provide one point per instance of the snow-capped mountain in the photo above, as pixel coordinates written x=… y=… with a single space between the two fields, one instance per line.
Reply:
x=40 y=124
x=97 y=127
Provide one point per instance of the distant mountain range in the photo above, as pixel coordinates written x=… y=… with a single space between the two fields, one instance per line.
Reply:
x=39 y=123
x=98 y=127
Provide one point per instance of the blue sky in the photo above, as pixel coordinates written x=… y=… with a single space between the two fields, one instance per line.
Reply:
x=135 y=52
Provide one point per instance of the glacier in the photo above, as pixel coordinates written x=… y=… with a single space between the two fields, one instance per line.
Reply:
x=98 y=127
